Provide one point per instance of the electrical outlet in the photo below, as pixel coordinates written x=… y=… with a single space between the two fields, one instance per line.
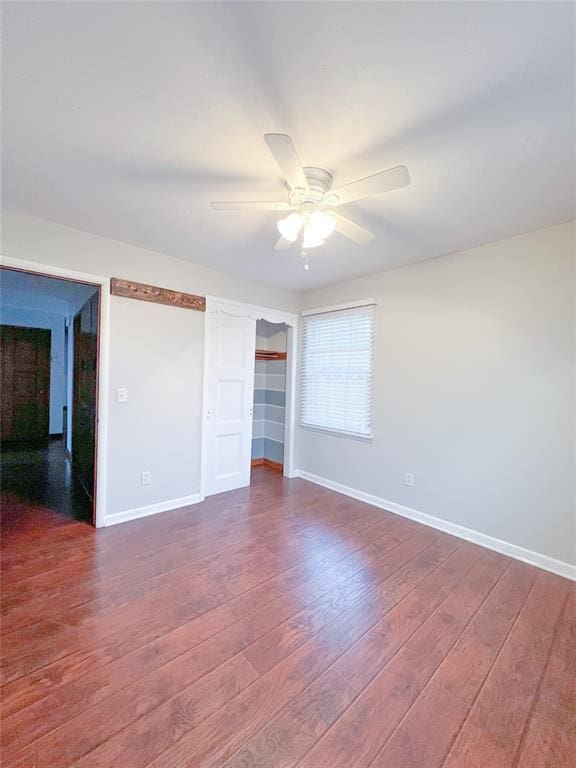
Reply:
x=146 y=477
x=408 y=479
x=122 y=395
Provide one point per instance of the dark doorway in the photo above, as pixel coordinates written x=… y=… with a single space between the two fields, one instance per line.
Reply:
x=49 y=399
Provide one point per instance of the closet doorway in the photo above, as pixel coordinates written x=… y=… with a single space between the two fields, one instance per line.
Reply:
x=269 y=395
x=249 y=396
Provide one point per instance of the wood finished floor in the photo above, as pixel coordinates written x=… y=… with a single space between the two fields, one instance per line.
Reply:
x=277 y=626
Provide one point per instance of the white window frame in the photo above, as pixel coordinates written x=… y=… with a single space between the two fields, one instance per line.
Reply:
x=327 y=429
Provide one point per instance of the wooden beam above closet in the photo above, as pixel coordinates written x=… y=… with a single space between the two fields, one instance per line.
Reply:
x=268 y=354
x=128 y=289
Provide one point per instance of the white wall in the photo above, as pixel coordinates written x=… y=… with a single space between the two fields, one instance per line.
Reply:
x=155 y=351
x=474 y=391
x=36 y=318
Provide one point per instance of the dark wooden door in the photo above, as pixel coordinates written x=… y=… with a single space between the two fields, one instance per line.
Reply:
x=84 y=393
x=25 y=383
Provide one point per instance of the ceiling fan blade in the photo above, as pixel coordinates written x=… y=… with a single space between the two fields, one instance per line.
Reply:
x=282 y=244
x=352 y=230
x=385 y=181
x=284 y=151
x=246 y=206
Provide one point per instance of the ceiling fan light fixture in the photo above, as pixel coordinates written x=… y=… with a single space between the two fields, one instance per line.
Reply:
x=321 y=224
x=290 y=227
x=311 y=241
x=311 y=199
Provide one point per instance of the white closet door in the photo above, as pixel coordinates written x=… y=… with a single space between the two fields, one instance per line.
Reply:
x=230 y=355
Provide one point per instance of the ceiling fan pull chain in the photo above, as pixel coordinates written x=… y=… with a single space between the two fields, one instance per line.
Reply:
x=304 y=255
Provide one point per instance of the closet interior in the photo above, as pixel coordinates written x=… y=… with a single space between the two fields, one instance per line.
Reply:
x=269 y=395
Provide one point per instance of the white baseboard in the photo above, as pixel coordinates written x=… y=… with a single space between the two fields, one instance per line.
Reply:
x=558 y=567
x=152 y=509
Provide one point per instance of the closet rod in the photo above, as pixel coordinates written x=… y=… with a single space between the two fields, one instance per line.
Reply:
x=268 y=354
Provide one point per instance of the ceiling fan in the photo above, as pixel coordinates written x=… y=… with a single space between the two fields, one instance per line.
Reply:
x=311 y=199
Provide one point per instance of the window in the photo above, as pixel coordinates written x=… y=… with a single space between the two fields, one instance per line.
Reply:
x=337 y=369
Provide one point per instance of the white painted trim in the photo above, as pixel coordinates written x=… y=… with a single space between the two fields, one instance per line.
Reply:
x=239 y=309
x=152 y=509
x=103 y=370
x=204 y=425
x=338 y=307
x=558 y=567
x=290 y=408
x=337 y=432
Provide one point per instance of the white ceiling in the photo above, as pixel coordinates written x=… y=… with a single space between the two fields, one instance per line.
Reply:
x=25 y=290
x=126 y=119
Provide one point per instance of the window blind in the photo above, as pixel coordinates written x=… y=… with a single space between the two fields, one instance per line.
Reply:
x=338 y=370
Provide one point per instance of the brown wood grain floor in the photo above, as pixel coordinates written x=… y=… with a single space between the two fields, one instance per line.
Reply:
x=278 y=626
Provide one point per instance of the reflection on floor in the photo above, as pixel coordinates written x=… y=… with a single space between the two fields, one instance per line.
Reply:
x=39 y=489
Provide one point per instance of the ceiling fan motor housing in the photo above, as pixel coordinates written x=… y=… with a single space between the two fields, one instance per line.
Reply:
x=319 y=183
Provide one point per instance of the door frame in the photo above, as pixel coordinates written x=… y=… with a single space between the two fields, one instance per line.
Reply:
x=103 y=362
x=215 y=305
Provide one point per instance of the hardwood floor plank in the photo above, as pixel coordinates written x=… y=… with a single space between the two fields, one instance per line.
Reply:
x=87 y=594
x=280 y=642
x=289 y=735
x=151 y=734
x=164 y=579
x=86 y=600
x=279 y=598
x=108 y=562
x=363 y=730
x=218 y=738
x=427 y=731
x=63 y=747
x=127 y=587
x=550 y=737
x=491 y=733
x=197 y=522
x=20 y=692
x=276 y=626
x=215 y=740
x=361 y=663
x=190 y=599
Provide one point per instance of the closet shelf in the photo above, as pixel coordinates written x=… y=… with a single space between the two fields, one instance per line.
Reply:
x=268 y=354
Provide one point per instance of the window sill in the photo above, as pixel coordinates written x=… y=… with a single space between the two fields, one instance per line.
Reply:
x=338 y=433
